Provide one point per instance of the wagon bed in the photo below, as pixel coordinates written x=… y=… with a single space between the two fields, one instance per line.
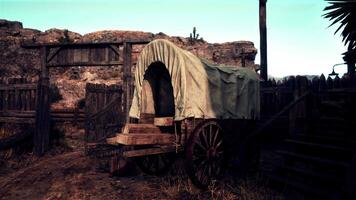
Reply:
x=184 y=104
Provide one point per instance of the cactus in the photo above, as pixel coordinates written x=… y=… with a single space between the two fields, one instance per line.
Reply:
x=193 y=37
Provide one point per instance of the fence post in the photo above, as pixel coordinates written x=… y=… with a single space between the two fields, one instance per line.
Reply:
x=292 y=112
x=127 y=78
x=41 y=136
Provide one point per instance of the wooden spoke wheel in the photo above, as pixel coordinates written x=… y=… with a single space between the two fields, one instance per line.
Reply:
x=205 y=158
x=155 y=164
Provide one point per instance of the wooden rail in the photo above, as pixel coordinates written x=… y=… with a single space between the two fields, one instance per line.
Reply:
x=57 y=116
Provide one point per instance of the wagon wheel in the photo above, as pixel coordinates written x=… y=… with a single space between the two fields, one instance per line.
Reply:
x=155 y=164
x=205 y=158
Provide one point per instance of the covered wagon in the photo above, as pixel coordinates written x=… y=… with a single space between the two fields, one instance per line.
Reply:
x=185 y=104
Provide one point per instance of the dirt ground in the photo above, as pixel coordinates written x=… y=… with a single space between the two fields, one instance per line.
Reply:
x=66 y=173
x=71 y=175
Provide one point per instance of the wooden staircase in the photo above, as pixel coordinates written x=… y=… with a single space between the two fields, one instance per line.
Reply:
x=142 y=134
x=319 y=161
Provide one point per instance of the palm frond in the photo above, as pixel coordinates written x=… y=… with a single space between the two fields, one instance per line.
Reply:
x=343 y=12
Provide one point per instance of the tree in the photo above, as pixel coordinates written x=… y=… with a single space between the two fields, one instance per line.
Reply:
x=343 y=12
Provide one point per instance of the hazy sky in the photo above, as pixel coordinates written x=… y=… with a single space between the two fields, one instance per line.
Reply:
x=299 y=41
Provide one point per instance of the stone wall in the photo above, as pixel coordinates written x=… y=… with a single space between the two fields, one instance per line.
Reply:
x=18 y=61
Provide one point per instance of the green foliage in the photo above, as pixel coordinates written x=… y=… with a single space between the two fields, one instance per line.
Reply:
x=343 y=13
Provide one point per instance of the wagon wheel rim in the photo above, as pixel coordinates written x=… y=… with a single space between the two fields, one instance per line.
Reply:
x=155 y=164
x=205 y=154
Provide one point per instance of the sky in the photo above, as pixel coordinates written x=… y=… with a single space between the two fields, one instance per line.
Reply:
x=299 y=40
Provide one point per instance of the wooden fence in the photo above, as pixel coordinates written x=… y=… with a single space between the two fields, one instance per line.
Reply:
x=104 y=110
x=17 y=100
x=18 y=105
x=276 y=95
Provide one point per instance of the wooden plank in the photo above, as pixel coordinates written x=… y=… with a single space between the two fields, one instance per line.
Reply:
x=19 y=114
x=142 y=139
x=67 y=115
x=150 y=151
x=17 y=100
x=163 y=121
x=41 y=136
x=17 y=120
x=53 y=53
x=20 y=86
x=86 y=64
x=6 y=99
x=82 y=45
x=127 y=78
x=140 y=128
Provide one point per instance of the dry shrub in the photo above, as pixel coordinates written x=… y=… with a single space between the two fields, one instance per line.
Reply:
x=176 y=185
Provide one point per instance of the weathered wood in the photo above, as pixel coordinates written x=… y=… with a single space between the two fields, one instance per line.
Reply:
x=263 y=39
x=41 y=137
x=17 y=120
x=83 y=64
x=21 y=86
x=151 y=151
x=103 y=111
x=142 y=139
x=140 y=128
x=53 y=53
x=11 y=141
x=163 y=121
x=127 y=78
x=6 y=99
x=14 y=113
x=83 y=45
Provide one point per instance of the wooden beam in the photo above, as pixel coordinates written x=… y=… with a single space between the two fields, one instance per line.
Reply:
x=127 y=78
x=142 y=139
x=84 y=45
x=150 y=151
x=86 y=64
x=263 y=40
x=41 y=137
x=17 y=120
x=53 y=53
x=21 y=86
x=115 y=49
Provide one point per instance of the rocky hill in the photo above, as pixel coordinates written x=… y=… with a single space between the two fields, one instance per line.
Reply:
x=16 y=61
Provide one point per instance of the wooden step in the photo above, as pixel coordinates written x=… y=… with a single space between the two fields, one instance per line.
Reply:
x=313 y=159
x=140 y=128
x=163 y=121
x=142 y=139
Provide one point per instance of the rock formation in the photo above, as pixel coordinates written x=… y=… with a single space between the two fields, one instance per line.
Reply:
x=21 y=62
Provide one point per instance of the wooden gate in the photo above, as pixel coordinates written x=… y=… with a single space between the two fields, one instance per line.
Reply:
x=104 y=112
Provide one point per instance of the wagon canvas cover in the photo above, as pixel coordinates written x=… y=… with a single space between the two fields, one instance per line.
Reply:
x=200 y=89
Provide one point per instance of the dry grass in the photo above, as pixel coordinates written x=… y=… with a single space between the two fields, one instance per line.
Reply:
x=176 y=185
